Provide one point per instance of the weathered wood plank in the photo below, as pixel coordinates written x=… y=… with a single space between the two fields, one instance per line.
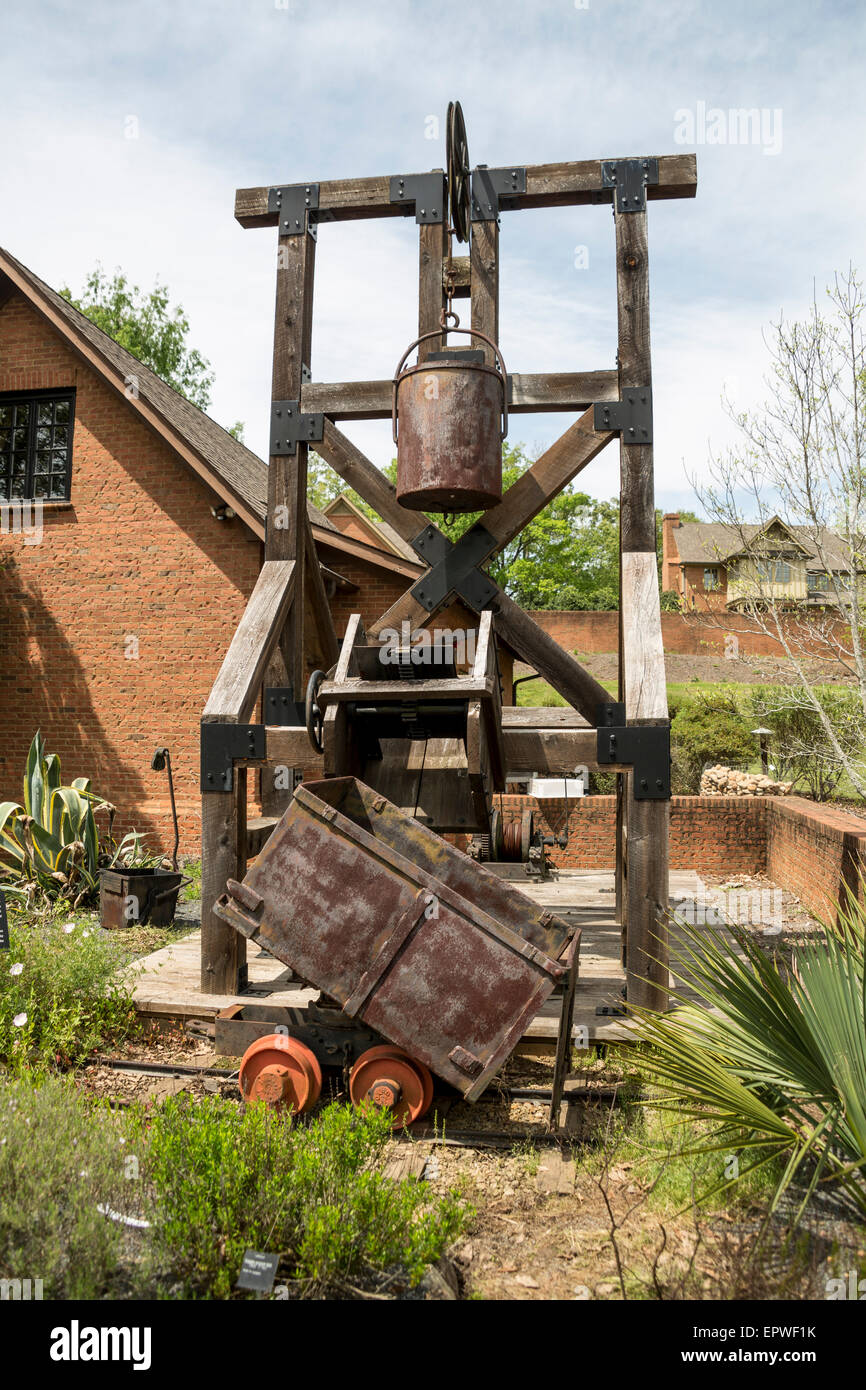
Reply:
x=645 y=825
x=548 y=658
x=531 y=392
x=432 y=250
x=223 y=837
x=235 y=690
x=484 y=255
x=568 y=184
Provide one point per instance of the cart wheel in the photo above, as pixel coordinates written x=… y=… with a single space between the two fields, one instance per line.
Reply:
x=388 y=1077
x=281 y=1071
x=314 y=716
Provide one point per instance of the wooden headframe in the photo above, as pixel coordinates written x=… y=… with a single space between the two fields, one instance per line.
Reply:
x=273 y=641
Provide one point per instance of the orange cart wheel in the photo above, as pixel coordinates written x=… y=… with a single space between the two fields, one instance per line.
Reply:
x=281 y=1071
x=388 y=1077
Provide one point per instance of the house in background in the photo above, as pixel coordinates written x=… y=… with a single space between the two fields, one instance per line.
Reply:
x=118 y=605
x=713 y=566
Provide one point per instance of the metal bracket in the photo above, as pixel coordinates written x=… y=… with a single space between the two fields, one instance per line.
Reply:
x=645 y=747
x=282 y=710
x=490 y=186
x=221 y=745
x=295 y=203
x=289 y=427
x=632 y=415
x=426 y=193
x=453 y=568
x=629 y=178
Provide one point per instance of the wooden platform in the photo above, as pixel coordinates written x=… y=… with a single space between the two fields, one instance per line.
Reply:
x=167 y=985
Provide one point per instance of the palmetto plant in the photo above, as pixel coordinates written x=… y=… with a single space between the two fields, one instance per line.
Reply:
x=776 y=1060
x=52 y=840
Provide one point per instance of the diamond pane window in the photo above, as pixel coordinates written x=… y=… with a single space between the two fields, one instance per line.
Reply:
x=36 y=445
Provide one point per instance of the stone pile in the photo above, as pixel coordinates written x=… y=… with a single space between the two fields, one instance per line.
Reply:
x=727 y=781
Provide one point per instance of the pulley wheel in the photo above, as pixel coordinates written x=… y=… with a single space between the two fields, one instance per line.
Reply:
x=457 y=158
x=282 y=1072
x=388 y=1077
x=315 y=717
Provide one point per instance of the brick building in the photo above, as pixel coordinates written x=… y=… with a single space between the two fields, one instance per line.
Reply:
x=131 y=538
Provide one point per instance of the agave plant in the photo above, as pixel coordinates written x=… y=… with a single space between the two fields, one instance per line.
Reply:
x=776 y=1060
x=52 y=840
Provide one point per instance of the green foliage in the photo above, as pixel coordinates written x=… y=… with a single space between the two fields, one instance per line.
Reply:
x=52 y=840
x=148 y=328
x=800 y=747
x=61 y=1157
x=775 y=1060
x=225 y=1180
x=59 y=993
x=237 y=430
x=670 y=601
x=707 y=730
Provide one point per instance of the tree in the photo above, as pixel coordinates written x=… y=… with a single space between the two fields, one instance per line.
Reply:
x=148 y=328
x=567 y=557
x=802 y=457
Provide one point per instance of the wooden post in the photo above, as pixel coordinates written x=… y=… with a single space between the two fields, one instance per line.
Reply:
x=484 y=260
x=288 y=524
x=433 y=249
x=644 y=836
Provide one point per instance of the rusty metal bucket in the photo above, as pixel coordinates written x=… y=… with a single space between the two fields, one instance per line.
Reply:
x=409 y=935
x=453 y=416
x=138 y=897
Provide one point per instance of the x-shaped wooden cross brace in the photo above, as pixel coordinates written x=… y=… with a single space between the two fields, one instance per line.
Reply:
x=454 y=568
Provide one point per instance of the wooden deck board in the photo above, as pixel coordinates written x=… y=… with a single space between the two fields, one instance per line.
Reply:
x=167 y=981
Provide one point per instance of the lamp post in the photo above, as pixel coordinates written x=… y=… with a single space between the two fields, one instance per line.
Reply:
x=764 y=735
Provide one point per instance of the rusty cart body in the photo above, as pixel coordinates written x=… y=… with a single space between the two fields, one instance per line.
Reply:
x=405 y=932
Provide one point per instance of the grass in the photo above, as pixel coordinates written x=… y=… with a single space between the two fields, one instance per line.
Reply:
x=538 y=692
x=60 y=995
x=213 y=1180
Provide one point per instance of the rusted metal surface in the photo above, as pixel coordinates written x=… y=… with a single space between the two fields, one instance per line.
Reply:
x=449 y=444
x=280 y=1071
x=389 y=1078
x=138 y=897
x=423 y=945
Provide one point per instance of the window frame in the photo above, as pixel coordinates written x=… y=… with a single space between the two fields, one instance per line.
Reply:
x=53 y=394
x=715 y=583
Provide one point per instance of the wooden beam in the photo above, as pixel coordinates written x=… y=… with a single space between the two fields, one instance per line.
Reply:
x=550 y=752
x=288 y=523
x=223 y=839
x=548 y=658
x=569 y=184
x=458 y=273
x=236 y=688
x=432 y=251
x=484 y=256
x=531 y=393
x=319 y=610
x=645 y=831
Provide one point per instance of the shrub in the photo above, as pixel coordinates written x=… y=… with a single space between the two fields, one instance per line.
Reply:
x=707 y=730
x=52 y=839
x=774 y=1059
x=801 y=748
x=61 y=1156
x=59 y=992
x=225 y=1180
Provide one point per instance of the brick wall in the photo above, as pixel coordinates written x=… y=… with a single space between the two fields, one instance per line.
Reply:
x=681 y=633
x=136 y=554
x=811 y=850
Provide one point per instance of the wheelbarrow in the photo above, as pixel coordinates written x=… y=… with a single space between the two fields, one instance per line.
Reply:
x=408 y=935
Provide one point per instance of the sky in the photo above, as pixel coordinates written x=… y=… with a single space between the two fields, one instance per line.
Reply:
x=125 y=130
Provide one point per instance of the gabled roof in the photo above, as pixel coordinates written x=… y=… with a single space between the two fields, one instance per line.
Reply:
x=378 y=533
x=714 y=542
x=235 y=473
